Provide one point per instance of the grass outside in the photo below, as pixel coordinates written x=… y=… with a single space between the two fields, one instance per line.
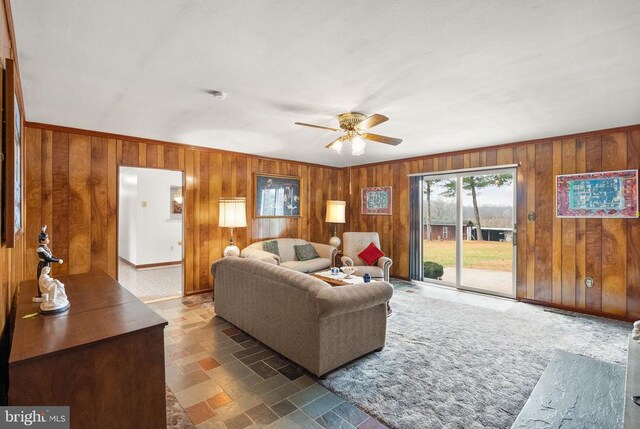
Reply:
x=481 y=255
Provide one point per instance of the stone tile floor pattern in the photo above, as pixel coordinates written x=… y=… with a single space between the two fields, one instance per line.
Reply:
x=226 y=379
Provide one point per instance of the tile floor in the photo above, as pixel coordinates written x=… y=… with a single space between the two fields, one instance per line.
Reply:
x=226 y=379
x=151 y=284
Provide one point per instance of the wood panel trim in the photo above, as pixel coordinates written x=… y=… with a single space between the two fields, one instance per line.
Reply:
x=578 y=310
x=626 y=128
x=143 y=140
x=197 y=292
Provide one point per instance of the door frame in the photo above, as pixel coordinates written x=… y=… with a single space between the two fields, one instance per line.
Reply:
x=458 y=176
x=184 y=196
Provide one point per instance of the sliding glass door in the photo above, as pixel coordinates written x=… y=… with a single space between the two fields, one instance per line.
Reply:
x=440 y=229
x=468 y=231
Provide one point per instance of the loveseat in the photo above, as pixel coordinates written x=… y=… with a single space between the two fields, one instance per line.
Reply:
x=287 y=257
x=317 y=326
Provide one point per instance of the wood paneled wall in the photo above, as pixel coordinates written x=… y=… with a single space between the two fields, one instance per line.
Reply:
x=11 y=263
x=11 y=260
x=71 y=185
x=553 y=255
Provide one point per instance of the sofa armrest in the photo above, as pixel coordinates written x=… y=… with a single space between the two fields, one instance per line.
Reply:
x=347 y=261
x=385 y=263
x=347 y=299
x=249 y=252
x=325 y=251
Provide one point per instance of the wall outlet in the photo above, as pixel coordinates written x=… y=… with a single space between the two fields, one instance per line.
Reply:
x=589 y=282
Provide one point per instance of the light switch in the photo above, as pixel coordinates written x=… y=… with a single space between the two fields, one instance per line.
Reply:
x=144 y=204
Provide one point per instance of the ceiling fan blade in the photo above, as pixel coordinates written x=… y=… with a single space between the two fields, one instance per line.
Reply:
x=372 y=121
x=316 y=126
x=382 y=139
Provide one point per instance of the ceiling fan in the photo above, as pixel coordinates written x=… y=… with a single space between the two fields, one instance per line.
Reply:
x=355 y=125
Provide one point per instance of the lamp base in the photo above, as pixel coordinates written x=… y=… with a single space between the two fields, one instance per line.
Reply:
x=231 y=250
x=335 y=241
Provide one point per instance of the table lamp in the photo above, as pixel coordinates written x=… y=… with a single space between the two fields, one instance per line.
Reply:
x=232 y=215
x=335 y=215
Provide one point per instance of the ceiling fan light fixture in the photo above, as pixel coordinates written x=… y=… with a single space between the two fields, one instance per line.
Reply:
x=337 y=146
x=357 y=145
x=356 y=126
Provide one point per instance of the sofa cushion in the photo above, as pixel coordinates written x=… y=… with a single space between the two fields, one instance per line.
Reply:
x=310 y=266
x=286 y=248
x=305 y=252
x=271 y=247
x=371 y=254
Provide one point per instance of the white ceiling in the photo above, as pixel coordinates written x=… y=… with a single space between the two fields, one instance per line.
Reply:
x=449 y=74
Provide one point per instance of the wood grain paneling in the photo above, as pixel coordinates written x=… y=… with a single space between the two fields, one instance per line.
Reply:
x=80 y=190
x=12 y=260
x=614 y=234
x=568 y=236
x=59 y=231
x=544 y=223
x=593 y=232
x=633 y=236
x=74 y=187
x=99 y=210
x=554 y=255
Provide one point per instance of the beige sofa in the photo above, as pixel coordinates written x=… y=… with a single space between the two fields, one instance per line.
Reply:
x=288 y=257
x=317 y=326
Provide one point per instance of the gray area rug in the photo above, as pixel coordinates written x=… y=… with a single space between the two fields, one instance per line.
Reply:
x=451 y=365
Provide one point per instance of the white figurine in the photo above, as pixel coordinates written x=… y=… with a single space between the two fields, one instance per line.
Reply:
x=636 y=331
x=45 y=258
x=55 y=297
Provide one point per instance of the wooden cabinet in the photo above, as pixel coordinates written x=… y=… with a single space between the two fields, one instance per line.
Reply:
x=104 y=357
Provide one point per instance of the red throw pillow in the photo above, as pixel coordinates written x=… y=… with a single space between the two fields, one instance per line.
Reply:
x=371 y=254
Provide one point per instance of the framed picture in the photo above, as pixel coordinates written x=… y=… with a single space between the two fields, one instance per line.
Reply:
x=278 y=196
x=376 y=201
x=175 y=202
x=13 y=158
x=608 y=194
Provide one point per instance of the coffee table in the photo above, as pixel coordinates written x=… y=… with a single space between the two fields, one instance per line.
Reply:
x=338 y=279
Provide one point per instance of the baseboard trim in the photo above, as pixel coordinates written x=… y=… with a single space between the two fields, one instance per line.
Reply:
x=597 y=313
x=156 y=265
x=197 y=292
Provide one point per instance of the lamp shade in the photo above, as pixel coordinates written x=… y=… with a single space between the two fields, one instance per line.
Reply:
x=335 y=211
x=233 y=212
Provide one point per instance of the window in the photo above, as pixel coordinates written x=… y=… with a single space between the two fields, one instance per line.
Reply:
x=445 y=232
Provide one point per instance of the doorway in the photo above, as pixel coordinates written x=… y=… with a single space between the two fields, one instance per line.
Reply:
x=150 y=231
x=468 y=232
